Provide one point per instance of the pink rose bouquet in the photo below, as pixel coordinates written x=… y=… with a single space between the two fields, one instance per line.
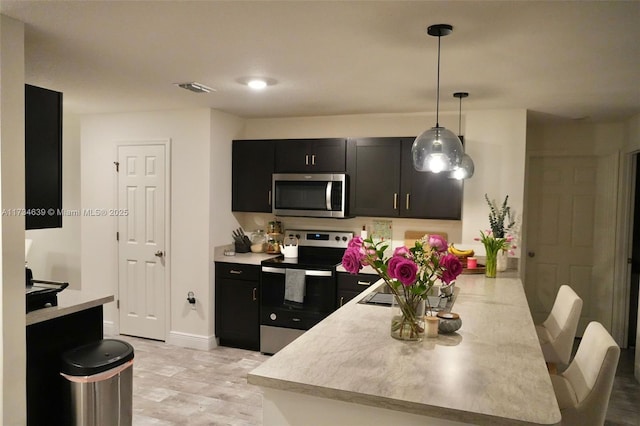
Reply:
x=410 y=273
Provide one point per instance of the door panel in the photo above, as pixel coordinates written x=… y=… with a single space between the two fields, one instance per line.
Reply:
x=142 y=281
x=562 y=193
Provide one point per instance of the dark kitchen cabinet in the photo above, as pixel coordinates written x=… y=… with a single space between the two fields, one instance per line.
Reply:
x=43 y=158
x=350 y=286
x=237 y=305
x=385 y=184
x=310 y=155
x=252 y=166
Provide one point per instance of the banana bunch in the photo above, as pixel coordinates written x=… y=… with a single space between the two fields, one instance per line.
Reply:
x=460 y=253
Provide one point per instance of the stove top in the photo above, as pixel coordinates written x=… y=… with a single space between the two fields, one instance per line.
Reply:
x=316 y=249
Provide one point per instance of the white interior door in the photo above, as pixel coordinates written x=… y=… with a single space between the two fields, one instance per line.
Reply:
x=141 y=244
x=561 y=210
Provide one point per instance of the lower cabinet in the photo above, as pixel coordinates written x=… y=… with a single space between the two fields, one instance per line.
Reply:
x=349 y=286
x=237 y=305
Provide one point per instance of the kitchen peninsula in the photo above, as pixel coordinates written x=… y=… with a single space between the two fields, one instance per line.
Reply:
x=348 y=370
x=77 y=320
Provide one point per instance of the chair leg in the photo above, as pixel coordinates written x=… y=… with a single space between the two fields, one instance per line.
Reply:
x=552 y=368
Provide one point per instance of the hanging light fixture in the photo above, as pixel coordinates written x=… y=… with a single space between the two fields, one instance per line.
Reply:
x=466 y=168
x=437 y=149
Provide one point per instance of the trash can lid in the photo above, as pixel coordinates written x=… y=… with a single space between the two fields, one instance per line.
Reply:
x=96 y=357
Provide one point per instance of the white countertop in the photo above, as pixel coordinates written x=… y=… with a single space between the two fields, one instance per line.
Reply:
x=243 y=258
x=69 y=302
x=491 y=372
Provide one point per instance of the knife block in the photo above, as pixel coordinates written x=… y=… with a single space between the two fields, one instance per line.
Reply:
x=241 y=248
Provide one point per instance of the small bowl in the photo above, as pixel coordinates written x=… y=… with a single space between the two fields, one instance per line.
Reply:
x=449 y=322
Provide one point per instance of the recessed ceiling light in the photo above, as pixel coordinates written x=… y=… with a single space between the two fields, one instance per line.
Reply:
x=257 y=84
x=195 y=87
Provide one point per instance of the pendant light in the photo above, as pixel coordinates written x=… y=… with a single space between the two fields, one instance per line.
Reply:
x=437 y=149
x=466 y=168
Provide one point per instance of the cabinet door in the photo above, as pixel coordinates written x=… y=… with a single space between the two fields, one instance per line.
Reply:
x=252 y=166
x=373 y=165
x=237 y=310
x=428 y=195
x=310 y=155
x=350 y=286
x=329 y=155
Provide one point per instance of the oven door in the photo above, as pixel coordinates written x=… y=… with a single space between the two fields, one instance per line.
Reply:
x=317 y=300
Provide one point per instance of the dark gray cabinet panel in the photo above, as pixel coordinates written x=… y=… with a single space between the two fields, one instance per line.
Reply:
x=237 y=305
x=350 y=286
x=43 y=158
x=374 y=173
x=310 y=155
x=385 y=184
x=252 y=166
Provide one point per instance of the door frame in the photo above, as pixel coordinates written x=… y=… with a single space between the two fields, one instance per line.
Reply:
x=624 y=244
x=167 y=226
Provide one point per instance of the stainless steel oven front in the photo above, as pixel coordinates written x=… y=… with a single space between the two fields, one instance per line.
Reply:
x=293 y=300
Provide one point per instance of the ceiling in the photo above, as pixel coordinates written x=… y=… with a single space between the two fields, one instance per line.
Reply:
x=558 y=59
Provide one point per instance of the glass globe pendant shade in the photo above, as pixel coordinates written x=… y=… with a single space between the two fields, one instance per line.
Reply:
x=437 y=150
x=465 y=169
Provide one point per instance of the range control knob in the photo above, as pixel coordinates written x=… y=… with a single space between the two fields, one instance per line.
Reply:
x=273 y=316
x=337 y=238
x=344 y=238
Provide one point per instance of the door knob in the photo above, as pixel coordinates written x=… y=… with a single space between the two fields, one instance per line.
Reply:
x=159 y=253
x=531 y=254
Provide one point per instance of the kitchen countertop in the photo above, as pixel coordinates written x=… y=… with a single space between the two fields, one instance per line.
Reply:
x=69 y=302
x=243 y=258
x=491 y=372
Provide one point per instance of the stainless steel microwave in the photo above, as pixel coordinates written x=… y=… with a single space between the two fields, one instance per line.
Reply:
x=310 y=195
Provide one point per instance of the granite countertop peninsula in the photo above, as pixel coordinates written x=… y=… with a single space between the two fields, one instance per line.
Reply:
x=490 y=372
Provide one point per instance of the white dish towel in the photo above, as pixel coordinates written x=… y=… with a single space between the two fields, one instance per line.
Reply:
x=294 y=285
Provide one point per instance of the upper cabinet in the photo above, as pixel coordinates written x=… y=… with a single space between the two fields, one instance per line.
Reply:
x=43 y=158
x=384 y=182
x=252 y=166
x=310 y=155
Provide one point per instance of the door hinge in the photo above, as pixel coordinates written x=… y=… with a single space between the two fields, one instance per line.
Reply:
x=117 y=164
x=117 y=236
x=118 y=304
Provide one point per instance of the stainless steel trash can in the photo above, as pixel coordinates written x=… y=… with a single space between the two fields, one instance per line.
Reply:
x=100 y=379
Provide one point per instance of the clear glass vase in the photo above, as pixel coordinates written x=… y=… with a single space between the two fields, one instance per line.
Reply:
x=407 y=318
x=491 y=262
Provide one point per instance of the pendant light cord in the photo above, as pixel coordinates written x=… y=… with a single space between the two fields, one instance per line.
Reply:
x=438 y=88
x=460 y=117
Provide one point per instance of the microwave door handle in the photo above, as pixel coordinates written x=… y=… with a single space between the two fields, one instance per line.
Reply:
x=328 y=195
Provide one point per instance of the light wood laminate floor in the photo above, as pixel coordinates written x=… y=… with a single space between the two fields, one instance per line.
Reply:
x=178 y=386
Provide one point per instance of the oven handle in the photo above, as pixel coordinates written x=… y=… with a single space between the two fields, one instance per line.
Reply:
x=308 y=273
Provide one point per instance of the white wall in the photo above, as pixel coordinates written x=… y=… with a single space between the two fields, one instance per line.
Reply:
x=12 y=307
x=55 y=252
x=191 y=139
x=491 y=137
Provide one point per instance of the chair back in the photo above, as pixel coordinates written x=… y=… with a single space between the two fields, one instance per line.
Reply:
x=591 y=374
x=562 y=322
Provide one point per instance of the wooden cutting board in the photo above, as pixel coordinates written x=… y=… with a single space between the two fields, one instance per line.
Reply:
x=410 y=237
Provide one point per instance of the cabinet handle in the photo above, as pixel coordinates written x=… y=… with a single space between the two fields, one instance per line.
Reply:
x=313 y=159
x=341 y=301
x=234 y=271
x=306 y=160
x=407 y=201
x=395 y=201
x=269 y=197
x=364 y=282
x=254 y=294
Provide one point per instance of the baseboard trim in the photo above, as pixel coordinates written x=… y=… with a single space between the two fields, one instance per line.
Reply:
x=192 y=341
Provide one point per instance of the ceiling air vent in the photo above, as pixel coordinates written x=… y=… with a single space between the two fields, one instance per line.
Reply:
x=195 y=87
